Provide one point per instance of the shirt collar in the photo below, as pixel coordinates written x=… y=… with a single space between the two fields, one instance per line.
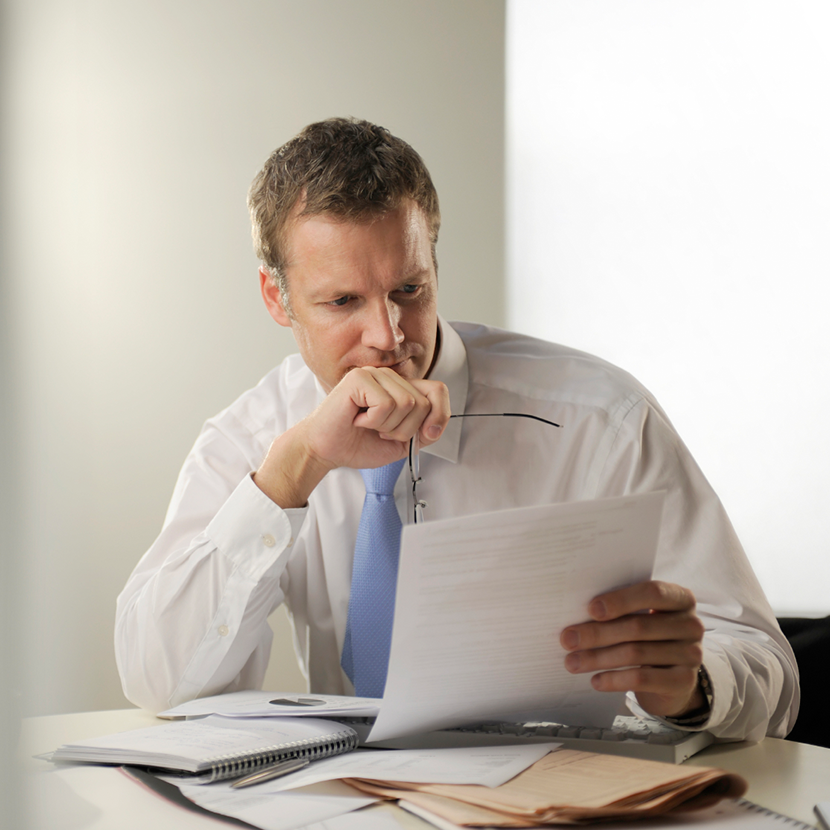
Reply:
x=450 y=368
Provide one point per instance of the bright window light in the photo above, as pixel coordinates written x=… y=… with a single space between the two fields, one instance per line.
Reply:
x=669 y=210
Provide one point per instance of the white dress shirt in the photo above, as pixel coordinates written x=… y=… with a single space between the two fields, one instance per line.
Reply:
x=192 y=619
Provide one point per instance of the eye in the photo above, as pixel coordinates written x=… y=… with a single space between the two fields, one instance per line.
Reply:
x=339 y=302
x=411 y=288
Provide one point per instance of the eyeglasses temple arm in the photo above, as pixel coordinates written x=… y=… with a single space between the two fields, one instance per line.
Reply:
x=504 y=415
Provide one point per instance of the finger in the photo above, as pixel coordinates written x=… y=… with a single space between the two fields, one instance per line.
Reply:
x=644 y=596
x=389 y=404
x=675 y=682
x=412 y=409
x=430 y=414
x=663 y=653
x=439 y=410
x=678 y=625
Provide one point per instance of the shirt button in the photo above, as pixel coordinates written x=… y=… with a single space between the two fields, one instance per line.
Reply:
x=290 y=542
x=223 y=630
x=268 y=540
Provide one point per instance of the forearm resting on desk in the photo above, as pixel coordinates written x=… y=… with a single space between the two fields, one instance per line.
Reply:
x=192 y=619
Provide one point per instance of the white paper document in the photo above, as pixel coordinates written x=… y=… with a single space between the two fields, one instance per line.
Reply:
x=482 y=600
x=488 y=766
x=264 y=807
x=257 y=704
x=377 y=818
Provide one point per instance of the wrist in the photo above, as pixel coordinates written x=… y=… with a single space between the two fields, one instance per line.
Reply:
x=290 y=471
x=699 y=708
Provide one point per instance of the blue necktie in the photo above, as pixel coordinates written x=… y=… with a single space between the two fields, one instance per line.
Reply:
x=365 y=655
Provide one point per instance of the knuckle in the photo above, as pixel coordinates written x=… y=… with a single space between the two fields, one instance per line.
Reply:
x=664 y=592
x=587 y=638
x=586 y=661
x=698 y=629
x=670 y=595
x=695 y=654
x=684 y=597
x=639 y=677
x=352 y=380
x=635 y=653
x=384 y=407
x=639 y=625
x=602 y=682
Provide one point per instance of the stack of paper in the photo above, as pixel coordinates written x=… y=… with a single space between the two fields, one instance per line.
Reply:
x=316 y=793
x=566 y=787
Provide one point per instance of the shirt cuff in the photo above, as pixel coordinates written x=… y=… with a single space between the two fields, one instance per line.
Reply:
x=252 y=531
x=700 y=716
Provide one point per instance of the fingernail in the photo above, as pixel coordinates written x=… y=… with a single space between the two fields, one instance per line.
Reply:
x=572 y=662
x=597 y=609
x=434 y=431
x=570 y=638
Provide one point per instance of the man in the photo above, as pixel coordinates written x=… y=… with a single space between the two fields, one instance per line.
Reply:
x=267 y=506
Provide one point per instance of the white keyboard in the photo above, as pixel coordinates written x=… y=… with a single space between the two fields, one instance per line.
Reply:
x=630 y=736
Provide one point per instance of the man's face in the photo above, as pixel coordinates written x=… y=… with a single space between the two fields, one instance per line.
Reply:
x=360 y=294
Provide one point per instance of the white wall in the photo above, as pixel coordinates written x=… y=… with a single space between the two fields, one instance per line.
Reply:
x=668 y=209
x=131 y=133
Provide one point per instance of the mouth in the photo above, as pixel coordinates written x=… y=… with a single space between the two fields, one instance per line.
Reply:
x=399 y=365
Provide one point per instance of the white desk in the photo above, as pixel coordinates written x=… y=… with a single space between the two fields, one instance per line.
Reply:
x=783 y=776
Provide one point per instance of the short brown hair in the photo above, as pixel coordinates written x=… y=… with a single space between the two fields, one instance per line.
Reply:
x=350 y=169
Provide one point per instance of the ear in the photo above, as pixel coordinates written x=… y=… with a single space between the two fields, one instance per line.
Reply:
x=272 y=298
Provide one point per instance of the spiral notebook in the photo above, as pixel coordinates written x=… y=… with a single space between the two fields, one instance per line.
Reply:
x=213 y=748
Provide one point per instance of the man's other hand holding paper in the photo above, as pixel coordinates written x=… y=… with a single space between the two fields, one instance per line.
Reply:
x=647 y=639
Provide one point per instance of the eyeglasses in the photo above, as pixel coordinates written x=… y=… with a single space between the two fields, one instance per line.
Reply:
x=414 y=455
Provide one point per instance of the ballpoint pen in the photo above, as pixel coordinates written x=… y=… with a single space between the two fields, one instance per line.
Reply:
x=274 y=771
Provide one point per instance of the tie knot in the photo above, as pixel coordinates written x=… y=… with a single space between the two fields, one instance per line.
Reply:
x=381 y=481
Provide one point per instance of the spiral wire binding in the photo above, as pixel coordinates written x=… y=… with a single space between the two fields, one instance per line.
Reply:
x=233 y=766
x=751 y=806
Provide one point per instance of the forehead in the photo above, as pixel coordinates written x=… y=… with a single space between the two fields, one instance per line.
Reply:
x=395 y=241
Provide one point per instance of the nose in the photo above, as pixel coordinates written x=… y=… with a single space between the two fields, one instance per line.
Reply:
x=381 y=329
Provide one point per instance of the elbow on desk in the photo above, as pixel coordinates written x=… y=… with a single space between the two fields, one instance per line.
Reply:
x=160 y=669
x=148 y=678
x=143 y=684
x=756 y=692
